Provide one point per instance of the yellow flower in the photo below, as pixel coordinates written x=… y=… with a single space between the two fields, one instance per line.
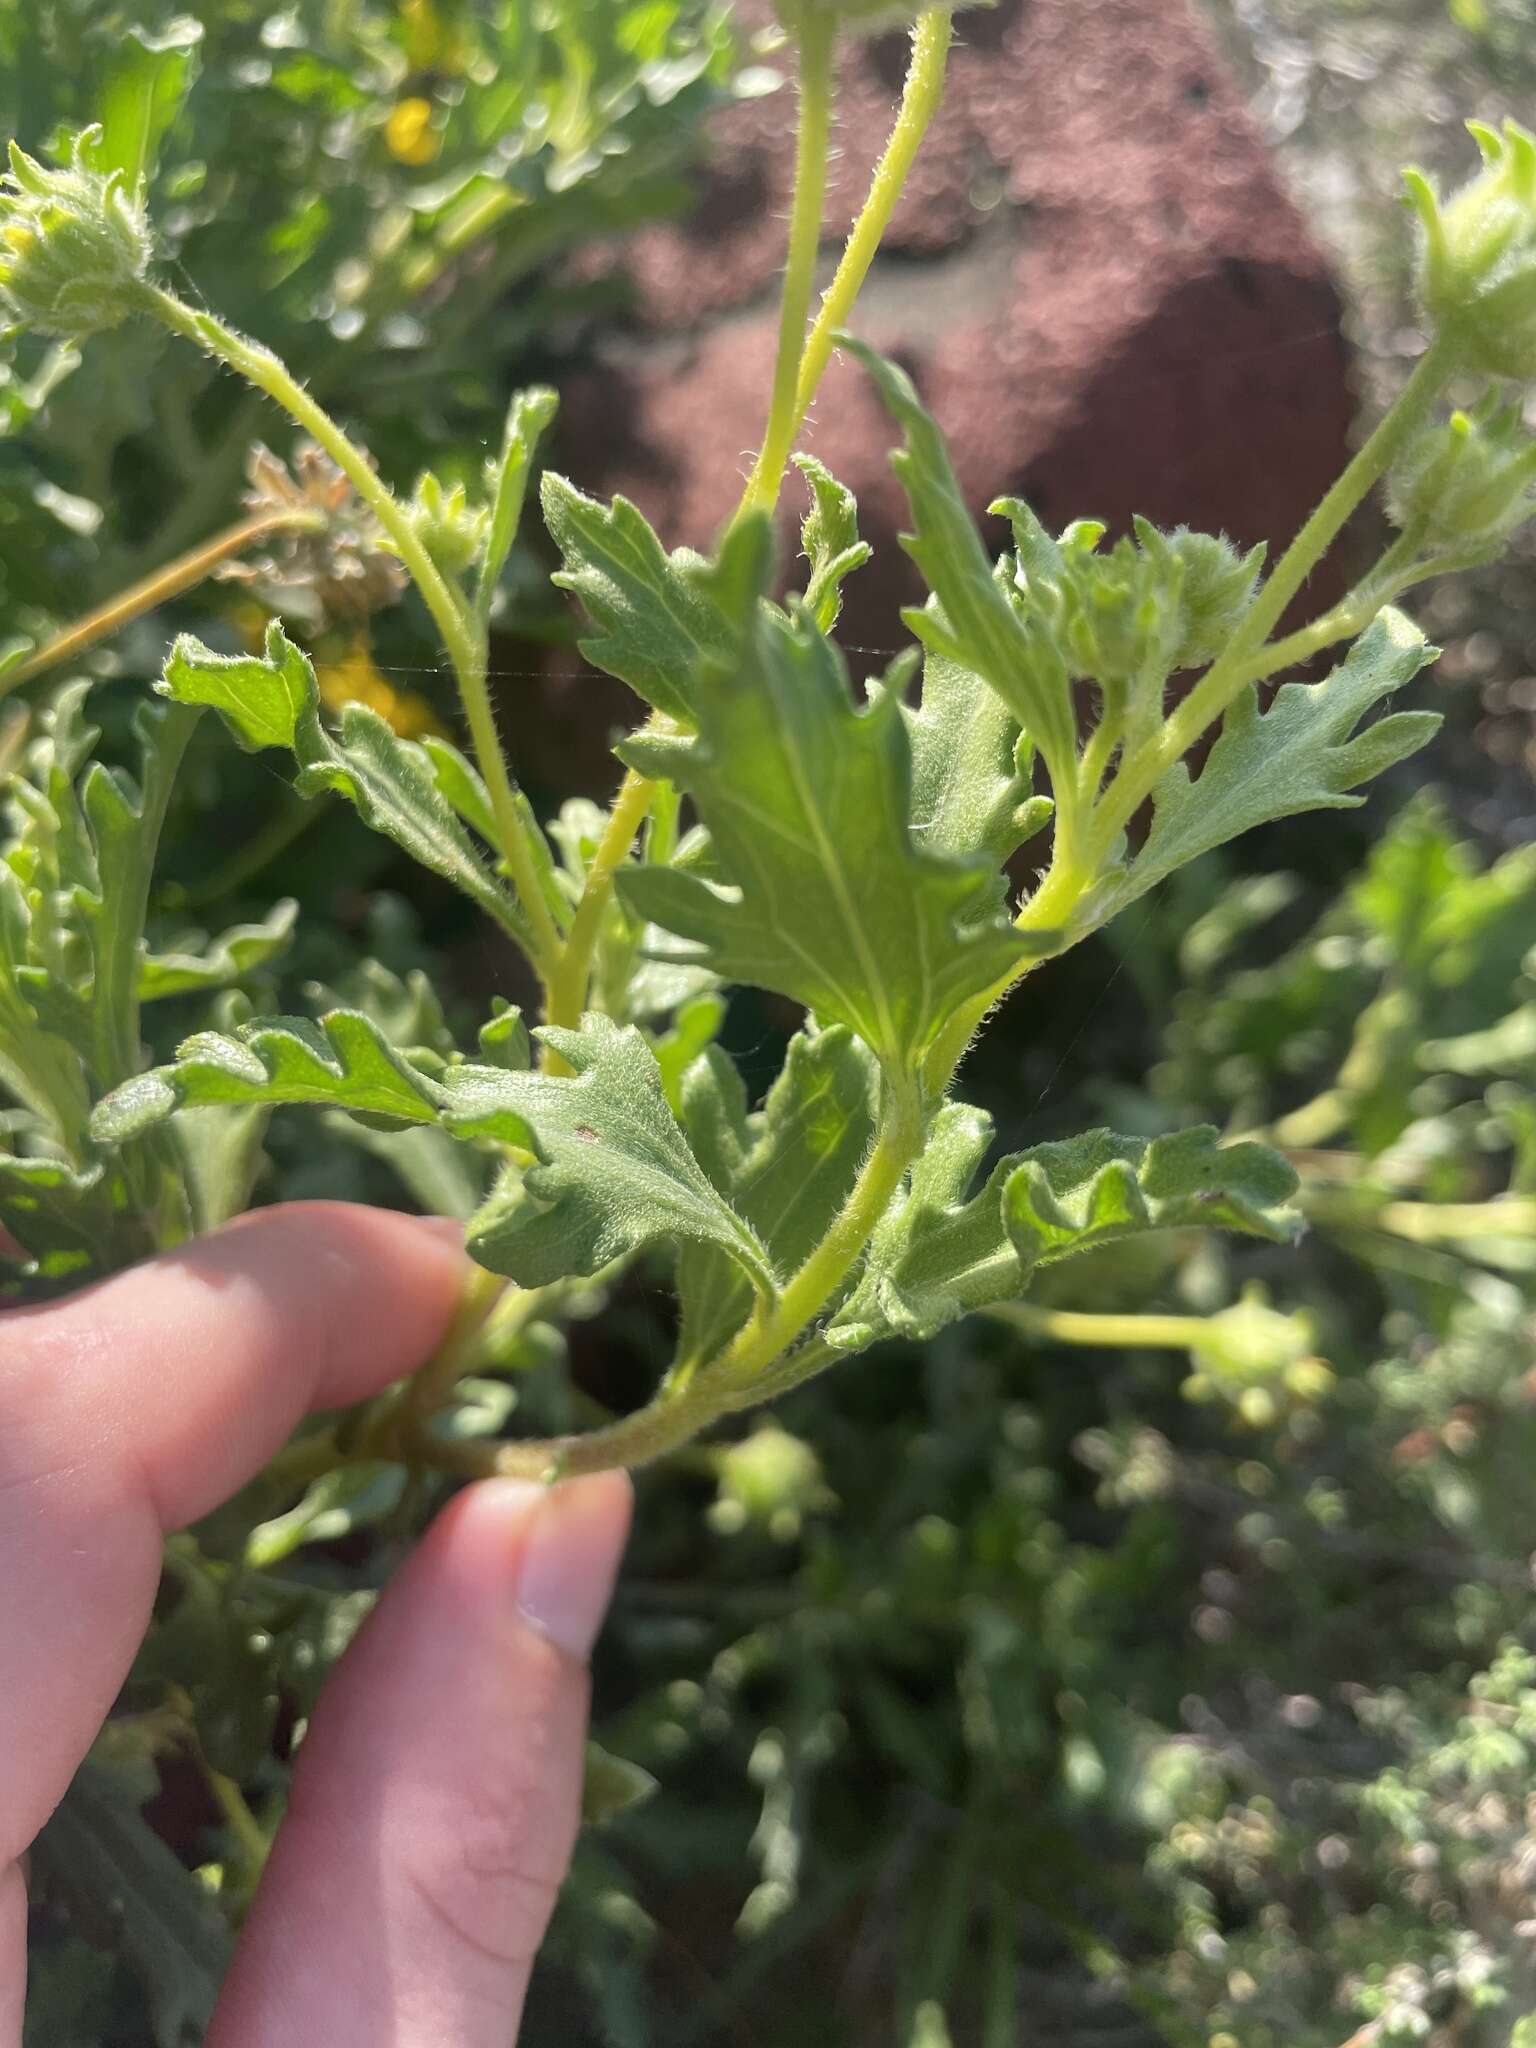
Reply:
x=409 y=134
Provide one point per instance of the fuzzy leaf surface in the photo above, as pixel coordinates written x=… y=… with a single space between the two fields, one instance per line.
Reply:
x=829 y=896
x=274 y=702
x=656 y=624
x=945 y=1251
x=343 y=1062
x=978 y=625
x=829 y=540
x=787 y=1169
x=613 y=1170
x=1303 y=754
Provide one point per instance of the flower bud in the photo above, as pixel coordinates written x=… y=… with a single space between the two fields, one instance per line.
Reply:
x=1477 y=257
x=1464 y=483
x=1216 y=587
x=74 y=244
x=449 y=526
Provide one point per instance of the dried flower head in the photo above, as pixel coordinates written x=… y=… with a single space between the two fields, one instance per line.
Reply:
x=334 y=570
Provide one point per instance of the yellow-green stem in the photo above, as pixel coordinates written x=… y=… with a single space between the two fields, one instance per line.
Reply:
x=465 y=648
x=573 y=971
x=741 y=1376
x=1077 y=1326
x=817 y=36
x=158 y=588
x=1230 y=672
x=920 y=99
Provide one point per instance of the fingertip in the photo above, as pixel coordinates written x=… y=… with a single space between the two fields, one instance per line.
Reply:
x=554 y=1550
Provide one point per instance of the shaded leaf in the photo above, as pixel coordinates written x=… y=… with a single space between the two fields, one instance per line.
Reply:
x=788 y=1172
x=217 y=963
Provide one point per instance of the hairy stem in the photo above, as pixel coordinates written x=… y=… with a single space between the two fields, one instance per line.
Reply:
x=817 y=76
x=572 y=973
x=742 y=1376
x=159 y=587
x=464 y=645
x=1231 y=671
x=920 y=99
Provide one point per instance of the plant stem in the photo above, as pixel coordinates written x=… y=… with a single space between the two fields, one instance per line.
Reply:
x=740 y=1377
x=817 y=37
x=429 y=1387
x=920 y=99
x=1230 y=672
x=1075 y=1326
x=159 y=587
x=465 y=647
x=568 y=982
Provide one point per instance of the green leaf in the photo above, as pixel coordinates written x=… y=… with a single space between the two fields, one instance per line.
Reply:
x=143 y=93
x=102 y=1858
x=196 y=966
x=1303 y=754
x=60 y=1215
x=348 y=1497
x=978 y=625
x=344 y=1062
x=658 y=626
x=613 y=1169
x=787 y=1171
x=528 y=420
x=835 y=903
x=274 y=702
x=611 y=1785
x=970 y=767
x=829 y=540
x=945 y=1251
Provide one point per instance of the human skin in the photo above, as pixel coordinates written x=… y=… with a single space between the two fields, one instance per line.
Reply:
x=435 y=1796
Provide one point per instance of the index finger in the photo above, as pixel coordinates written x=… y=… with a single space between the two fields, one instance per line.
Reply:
x=138 y=1405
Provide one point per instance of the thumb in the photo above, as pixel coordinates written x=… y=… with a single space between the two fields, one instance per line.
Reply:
x=436 y=1796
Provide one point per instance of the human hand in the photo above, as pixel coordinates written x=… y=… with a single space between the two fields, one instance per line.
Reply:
x=435 y=1797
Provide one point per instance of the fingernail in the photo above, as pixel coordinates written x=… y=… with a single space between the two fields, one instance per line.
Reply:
x=570 y=1560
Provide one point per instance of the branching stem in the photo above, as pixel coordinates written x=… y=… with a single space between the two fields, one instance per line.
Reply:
x=464 y=644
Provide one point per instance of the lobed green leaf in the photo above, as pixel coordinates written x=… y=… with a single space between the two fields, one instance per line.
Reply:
x=945 y=1251
x=830 y=896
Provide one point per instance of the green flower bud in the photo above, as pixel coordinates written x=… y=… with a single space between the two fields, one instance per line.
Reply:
x=769 y=1478
x=1162 y=602
x=1464 y=483
x=448 y=525
x=74 y=244
x=1251 y=1343
x=1215 y=589
x=1477 y=257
